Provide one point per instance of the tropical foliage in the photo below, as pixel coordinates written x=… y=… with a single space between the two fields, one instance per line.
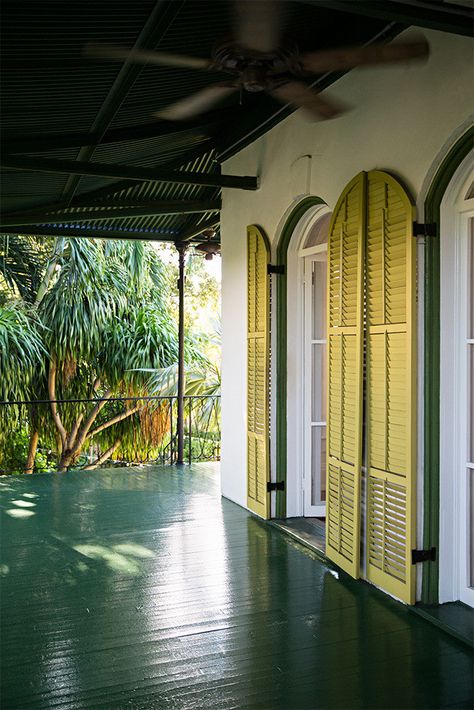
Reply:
x=84 y=319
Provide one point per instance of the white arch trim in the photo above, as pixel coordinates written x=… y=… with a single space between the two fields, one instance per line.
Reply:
x=453 y=542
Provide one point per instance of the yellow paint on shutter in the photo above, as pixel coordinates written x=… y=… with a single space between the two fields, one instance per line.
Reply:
x=258 y=343
x=391 y=386
x=345 y=354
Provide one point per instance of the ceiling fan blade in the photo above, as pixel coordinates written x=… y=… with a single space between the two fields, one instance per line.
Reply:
x=143 y=56
x=258 y=24
x=350 y=57
x=197 y=103
x=297 y=93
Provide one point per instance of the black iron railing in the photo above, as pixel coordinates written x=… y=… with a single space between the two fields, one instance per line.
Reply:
x=125 y=431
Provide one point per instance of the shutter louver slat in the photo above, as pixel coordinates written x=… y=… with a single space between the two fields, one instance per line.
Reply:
x=258 y=290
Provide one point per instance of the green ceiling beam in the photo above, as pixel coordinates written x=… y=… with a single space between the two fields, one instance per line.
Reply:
x=100 y=197
x=445 y=17
x=112 y=210
x=64 y=231
x=126 y=172
x=112 y=189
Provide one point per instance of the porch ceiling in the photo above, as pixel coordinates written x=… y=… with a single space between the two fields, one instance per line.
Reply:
x=81 y=151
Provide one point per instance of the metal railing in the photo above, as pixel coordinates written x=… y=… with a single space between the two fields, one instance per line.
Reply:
x=128 y=431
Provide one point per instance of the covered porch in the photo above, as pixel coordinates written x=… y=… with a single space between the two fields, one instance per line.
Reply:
x=143 y=588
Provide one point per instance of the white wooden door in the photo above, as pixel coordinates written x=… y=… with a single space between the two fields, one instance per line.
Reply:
x=315 y=273
x=466 y=394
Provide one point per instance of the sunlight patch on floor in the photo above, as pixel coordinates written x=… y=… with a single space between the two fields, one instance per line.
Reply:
x=19 y=513
x=124 y=558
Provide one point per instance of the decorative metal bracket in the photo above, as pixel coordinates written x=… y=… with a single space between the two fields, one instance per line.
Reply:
x=276 y=269
x=425 y=230
x=275 y=486
x=423 y=556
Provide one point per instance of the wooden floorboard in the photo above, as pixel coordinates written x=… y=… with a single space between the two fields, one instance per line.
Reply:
x=142 y=588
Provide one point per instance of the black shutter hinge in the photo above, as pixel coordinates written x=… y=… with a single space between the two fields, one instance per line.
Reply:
x=275 y=268
x=425 y=230
x=423 y=556
x=275 y=486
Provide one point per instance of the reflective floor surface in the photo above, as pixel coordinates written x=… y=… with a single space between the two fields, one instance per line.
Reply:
x=143 y=589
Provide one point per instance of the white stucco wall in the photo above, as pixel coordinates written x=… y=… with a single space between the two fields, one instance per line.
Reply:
x=402 y=117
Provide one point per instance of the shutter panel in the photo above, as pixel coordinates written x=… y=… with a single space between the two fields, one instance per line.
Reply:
x=345 y=354
x=258 y=468
x=391 y=386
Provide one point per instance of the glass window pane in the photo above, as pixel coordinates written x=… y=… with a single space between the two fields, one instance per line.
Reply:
x=470 y=523
x=470 y=404
x=318 y=382
x=318 y=465
x=470 y=280
x=323 y=463
x=319 y=300
x=319 y=232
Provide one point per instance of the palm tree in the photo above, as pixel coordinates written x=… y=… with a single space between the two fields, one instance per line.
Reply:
x=99 y=314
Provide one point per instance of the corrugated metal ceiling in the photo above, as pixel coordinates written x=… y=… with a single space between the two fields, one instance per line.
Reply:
x=49 y=88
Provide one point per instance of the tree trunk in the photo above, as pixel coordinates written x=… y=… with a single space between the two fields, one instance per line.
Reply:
x=30 y=461
x=115 y=420
x=54 y=408
x=70 y=454
x=107 y=454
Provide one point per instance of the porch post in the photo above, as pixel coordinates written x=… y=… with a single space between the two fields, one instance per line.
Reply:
x=181 y=247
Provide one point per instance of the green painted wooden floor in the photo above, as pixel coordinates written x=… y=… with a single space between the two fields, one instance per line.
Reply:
x=143 y=589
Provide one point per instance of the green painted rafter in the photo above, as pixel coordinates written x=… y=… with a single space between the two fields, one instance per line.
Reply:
x=107 y=170
x=113 y=210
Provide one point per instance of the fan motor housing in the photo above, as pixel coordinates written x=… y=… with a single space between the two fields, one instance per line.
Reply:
x=255 y=69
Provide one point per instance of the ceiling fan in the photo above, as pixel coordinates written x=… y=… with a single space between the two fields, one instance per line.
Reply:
x=257 y=62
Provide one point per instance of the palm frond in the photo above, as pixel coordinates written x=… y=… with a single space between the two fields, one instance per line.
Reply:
x=22 y=261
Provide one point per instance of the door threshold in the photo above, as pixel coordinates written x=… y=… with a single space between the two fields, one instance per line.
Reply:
x=310 y=532
x=456 y=618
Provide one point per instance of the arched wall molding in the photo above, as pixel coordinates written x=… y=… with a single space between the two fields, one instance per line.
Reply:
x=456 y=137
x=431 y=481
x=307 y=206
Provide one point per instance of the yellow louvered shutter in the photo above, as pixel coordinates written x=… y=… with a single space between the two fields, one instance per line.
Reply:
x=258 y=469
x=391 y=386
x=345 y=354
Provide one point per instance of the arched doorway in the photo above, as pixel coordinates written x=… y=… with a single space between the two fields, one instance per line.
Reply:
x=456 y=547
x=301 y=350
x=436 y=195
